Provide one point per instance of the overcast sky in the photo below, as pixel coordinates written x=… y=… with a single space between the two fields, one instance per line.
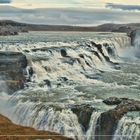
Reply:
x=71 y=12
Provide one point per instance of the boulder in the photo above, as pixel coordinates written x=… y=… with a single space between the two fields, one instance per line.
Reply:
x=112 y=101
x=63 y=53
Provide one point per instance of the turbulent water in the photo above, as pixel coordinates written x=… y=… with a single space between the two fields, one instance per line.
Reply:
x=66 y=70
x=128 y=128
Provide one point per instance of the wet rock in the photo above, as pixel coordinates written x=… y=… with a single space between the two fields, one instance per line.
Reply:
x=26 y=51
x=47 y=68
x=47 y=82
x=112 y=101
x=96 y=54
x=133 y=35
x=99 y=47
x=31 y=72
x=81 y=55
x=108 y=121
x=69 y=60
x=63 y=79
x=106 y=44
x=87 y=63
x=109 y=49
x=83 y=113
x=63 y=53
x=12 y=66
x=48 y=49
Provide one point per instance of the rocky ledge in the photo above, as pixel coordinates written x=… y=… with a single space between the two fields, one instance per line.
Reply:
x=12 y=67
x=134 y=35
x=108 y=121
x=83 y=113
x=10 y=131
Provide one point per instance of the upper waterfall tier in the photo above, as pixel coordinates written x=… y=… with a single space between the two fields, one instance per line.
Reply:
x=69 y=58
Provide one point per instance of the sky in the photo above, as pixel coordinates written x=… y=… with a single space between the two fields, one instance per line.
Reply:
x=71 y=12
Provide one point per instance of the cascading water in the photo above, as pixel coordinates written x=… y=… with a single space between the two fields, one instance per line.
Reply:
x=135 y=41
x=128 y=129
x=49 y=115
x=57 y=67
x=93 y=124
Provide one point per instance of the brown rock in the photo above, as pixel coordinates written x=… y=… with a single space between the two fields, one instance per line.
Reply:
x=83 y=113
x=112 y=101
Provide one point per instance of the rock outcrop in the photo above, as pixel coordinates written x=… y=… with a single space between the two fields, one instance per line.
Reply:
x=83 y=113
x=108 y=121
x=134 y=35
x=12 y=67
x=112 y=101
x=99 y=47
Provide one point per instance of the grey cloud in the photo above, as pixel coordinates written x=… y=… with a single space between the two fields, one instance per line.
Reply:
x=68 y=16
x=5 y=1
x=123 y=7
x=10 y=9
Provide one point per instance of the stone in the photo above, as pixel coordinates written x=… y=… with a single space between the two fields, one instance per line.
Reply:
x=63 y=52
x=12 y=67
x=83 y=113
x=112 y=101
x=47 y=82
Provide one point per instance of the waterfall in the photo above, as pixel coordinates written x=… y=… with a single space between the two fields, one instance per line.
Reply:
x=93 y=124
x=128 y=129
x=56 y=117
x=83 y=59
x=54 y=69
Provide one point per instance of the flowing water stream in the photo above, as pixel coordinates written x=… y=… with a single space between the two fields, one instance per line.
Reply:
x=69 y=70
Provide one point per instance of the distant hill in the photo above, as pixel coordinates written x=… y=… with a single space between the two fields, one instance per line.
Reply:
x=119 y=27
x=24 y=27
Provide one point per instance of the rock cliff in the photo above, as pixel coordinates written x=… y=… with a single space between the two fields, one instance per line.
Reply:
x=12 y=67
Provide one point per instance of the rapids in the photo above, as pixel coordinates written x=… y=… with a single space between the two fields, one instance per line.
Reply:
x=69 y=70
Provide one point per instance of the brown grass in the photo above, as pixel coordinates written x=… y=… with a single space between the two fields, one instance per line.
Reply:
x=10 y=131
